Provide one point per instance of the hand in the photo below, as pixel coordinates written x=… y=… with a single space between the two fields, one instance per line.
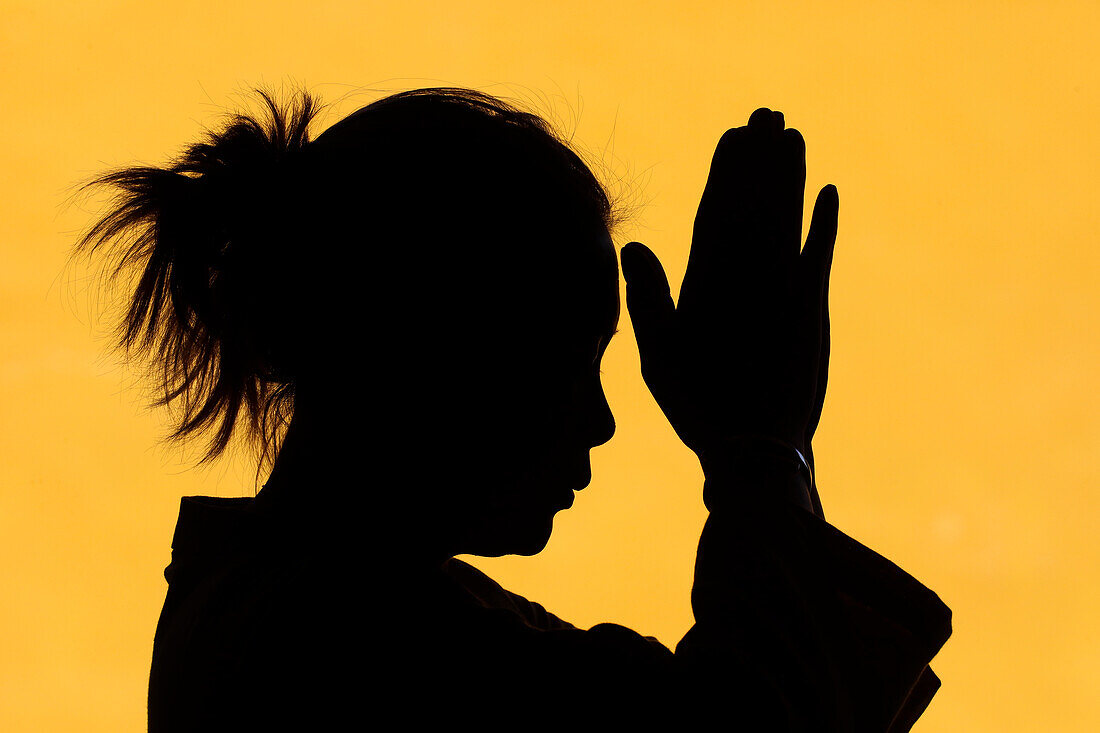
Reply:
x=746 y=349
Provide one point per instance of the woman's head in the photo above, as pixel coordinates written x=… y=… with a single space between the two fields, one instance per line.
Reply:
x=435 y=271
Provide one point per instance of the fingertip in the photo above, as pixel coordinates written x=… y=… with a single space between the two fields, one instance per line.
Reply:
x=631 y=250
x=760 y=117
x=829 y=195
x=632 y=257
x=823 y=224
x=794 y=136
x=728 y=140
x=628 y=275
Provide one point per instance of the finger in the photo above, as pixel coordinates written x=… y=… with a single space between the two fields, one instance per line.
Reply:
x=791 y=193
x=724 y=193
x=729 y=232
x=781 y=180
x=819 y=251
x=764 y=120
x=648 y=299
x=822 y=236
x=749 y=217
x=735 y=189
x=774 y=168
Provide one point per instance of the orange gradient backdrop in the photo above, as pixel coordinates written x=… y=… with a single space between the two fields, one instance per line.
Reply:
x=961 y=432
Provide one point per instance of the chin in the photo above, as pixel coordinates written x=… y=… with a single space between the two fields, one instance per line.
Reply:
x=532 y=546
x=516 y=536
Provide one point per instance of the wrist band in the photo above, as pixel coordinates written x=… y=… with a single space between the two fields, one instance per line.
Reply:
x=736 y=446
x=740 y=455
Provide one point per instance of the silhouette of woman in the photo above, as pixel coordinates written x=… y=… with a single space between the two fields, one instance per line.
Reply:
x=407 y=315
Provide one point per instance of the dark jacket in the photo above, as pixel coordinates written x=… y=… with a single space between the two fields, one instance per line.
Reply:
x=797 y=627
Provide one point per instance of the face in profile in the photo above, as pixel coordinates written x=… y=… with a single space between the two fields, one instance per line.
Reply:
x=474 y=329
x=534 y=415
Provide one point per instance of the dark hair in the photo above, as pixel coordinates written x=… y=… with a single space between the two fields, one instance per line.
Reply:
x=197 y=243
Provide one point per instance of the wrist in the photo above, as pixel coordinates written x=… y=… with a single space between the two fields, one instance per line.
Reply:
x=752 y=450
x=756 y=464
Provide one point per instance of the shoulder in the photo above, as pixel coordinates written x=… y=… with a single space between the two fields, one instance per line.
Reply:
x=608 y=641
x=490 y=594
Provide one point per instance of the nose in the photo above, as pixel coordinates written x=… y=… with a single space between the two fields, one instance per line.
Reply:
x=601 y=423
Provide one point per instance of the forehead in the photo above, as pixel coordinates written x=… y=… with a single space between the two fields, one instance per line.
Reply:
x=611 y=264
x=582 y=285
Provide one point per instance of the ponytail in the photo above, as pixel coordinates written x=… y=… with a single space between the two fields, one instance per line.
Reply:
x=196 y=243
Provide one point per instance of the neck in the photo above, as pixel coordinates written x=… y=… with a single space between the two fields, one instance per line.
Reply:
x=330 y=486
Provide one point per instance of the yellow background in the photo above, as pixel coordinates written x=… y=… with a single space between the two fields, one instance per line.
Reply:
x=960 y=436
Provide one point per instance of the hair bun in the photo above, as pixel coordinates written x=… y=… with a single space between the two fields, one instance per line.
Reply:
x=201 y=233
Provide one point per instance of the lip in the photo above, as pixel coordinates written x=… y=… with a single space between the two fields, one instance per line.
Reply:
x=567 y=499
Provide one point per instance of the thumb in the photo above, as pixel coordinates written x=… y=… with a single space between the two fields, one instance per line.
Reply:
x=648 y=299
